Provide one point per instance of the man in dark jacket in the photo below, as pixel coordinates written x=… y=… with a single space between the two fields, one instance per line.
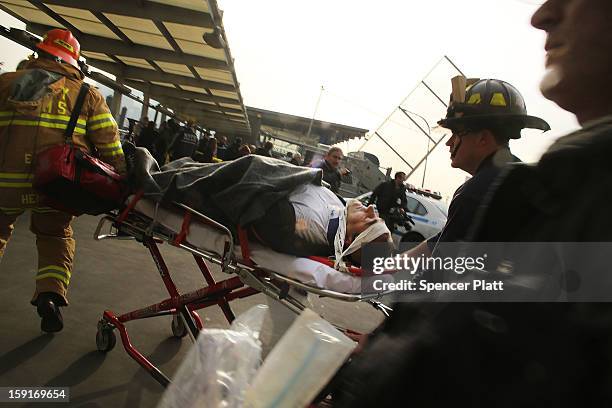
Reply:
x=185 y=143
x=390 y=194
x=332 y=173
x=525 y=354
x=483 y=116
x=221 y=147
x=266 y=150
x=233 y=150
x=148 y=137
x=165 y=139
x=479 y=145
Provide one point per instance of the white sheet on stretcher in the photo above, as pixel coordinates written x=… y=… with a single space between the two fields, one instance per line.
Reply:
x=302 y=269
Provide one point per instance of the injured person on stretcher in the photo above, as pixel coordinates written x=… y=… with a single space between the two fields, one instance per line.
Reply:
x=312 y=220
x=281 y=206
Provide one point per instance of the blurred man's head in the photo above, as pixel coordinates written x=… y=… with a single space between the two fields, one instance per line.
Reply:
x=244 y=150
x=268 y=146
x=578 y=59
x=400 y=178
x=333 y=157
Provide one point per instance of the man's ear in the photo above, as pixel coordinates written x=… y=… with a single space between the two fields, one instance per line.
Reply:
x=485 y=137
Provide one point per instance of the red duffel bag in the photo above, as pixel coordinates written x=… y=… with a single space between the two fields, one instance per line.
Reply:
x=74 y=181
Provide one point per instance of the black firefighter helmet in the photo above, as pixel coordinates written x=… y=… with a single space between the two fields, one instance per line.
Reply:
x=488 y=101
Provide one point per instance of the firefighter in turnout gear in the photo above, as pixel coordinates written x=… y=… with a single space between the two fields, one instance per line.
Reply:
x=35 y=107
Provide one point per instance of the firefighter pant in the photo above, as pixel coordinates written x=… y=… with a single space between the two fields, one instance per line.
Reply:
x=54 y=243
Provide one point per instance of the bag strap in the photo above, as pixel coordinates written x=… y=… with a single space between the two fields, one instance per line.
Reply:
x=76 y=112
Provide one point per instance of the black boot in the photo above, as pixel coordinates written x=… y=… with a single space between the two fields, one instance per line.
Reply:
x=48 y=309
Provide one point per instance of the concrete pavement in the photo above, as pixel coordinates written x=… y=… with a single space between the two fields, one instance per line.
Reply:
x=116 y=275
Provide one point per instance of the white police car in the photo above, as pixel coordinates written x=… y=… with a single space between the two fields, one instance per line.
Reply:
x=427 y=211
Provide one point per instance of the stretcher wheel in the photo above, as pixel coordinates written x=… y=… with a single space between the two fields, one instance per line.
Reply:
x=178 y=326
x=105 y=339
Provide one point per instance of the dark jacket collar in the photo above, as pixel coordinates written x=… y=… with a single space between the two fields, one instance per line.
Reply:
x=498 y=158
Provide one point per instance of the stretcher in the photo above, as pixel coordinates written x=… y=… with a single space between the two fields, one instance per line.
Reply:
x=250 y=269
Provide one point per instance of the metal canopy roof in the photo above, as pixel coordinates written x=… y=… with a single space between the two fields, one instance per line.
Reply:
x=326 y=132
x=155 y=46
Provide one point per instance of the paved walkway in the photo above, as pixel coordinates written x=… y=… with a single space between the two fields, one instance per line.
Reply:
x=116 y=275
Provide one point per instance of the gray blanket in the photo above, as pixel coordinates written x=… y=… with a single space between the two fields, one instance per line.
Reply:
x=233 y=192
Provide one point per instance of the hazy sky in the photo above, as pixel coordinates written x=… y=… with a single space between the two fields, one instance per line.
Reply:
x=369 y=55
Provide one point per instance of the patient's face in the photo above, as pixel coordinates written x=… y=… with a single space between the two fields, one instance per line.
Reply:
x=359 y=218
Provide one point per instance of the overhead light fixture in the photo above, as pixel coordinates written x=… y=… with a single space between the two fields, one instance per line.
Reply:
x=214 y=39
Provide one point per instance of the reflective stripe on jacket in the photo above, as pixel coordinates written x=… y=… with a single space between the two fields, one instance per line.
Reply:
x=35 y=108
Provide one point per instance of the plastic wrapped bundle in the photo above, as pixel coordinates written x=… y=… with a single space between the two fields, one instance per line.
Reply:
x=220 y=365
x=301 y=364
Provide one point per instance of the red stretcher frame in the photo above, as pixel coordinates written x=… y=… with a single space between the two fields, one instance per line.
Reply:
x=246 y=279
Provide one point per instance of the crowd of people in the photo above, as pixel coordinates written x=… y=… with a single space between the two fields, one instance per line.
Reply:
x=173 y=141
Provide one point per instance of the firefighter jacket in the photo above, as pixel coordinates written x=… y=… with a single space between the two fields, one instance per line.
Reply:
x=35 y=107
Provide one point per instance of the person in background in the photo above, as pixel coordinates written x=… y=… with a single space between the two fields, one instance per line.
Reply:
x=185 y=142
x=233 y=150
x=198 y=155
x=388 y=195
x=266 y=150
x=36 y=103
x=207 y=153
x=140 y=126
x=244 y=150
x=148 y=138
x=332 y=173
x=167 y=131
x=221 y=146
x=296 y=159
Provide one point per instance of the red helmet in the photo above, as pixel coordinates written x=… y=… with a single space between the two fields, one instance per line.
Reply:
x=62 y=44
